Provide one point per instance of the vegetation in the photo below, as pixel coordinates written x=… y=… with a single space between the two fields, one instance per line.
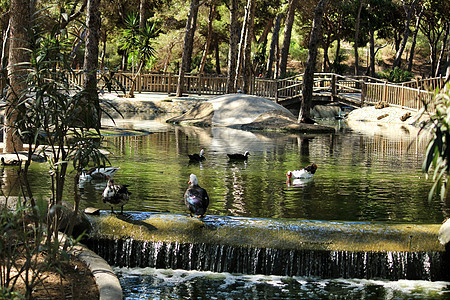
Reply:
x=438 y=151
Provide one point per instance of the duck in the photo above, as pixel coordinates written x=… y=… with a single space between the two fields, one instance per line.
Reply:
x=444 y=233
x=13 y=162
x=299 y=176
x=98 y=173
x=116 y=195
x=238 y=156
x=197 y=157
x=196 y=198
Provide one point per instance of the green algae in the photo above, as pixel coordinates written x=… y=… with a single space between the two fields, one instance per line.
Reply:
x=271 y=233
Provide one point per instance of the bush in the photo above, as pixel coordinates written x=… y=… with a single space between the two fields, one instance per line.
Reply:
x=396 y=75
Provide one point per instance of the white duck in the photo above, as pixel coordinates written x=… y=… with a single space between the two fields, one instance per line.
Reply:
x=99 y=173
x=296 y=177
x=116 y=195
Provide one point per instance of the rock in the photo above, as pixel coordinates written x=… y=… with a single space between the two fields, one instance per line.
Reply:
x=92 y=211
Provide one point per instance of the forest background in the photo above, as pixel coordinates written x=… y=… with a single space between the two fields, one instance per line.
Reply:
x=370 y=37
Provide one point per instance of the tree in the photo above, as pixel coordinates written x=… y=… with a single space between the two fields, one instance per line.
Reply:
x=91 y=62
x=284 y=52
x=308 y=77
x=187 y=46
x=233 y=47
x=244 y=61
x=419 y=14
x=356 y=42
x=409 y=9
x=17 y=71
x=212 y=12
x=273 y=45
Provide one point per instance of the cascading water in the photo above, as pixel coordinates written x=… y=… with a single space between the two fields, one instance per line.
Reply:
x=392 y=265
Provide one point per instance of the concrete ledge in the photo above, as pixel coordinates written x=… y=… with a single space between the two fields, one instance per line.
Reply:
x=107 y=281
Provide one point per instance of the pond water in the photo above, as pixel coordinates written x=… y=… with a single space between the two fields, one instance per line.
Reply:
x=368 y=174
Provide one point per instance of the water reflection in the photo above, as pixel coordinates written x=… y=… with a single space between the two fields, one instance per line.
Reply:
x=360 y=177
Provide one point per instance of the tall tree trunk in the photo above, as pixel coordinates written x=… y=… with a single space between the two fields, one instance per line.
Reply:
x=187 y=47
x=356 y=44
x=217 y=53
x=287 y=37
x=371 y=71
x=188 y=66
x=414 y=39
x=406 y=33
x=212 y=12
x=308 y=77
x=18 y=59
x=247 y=61
x=241 y=46
x=337 y=59
x=326 y=59
x=273 y=45
x=233 y=47
x=440 y=61
x=91 y=62
x=141 y=14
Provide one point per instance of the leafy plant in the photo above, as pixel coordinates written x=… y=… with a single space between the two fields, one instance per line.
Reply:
x=438 y=150
x=396 y=75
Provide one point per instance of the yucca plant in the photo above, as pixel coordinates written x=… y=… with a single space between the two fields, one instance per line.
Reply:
x=438 y=150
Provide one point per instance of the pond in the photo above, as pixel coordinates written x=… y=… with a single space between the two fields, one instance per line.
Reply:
x=367 y=173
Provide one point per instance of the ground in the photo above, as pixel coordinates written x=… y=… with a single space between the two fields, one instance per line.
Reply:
x=76 y=283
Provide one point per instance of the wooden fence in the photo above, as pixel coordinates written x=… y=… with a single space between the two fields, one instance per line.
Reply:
x=366 y=90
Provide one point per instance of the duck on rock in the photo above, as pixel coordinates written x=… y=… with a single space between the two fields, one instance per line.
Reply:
x=196 y=198
x=116 y=195
x=238 y=156
x=197 y=157
x=297 y=177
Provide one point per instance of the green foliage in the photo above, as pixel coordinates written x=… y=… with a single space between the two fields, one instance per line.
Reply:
x=438 y=151
x=396 y=75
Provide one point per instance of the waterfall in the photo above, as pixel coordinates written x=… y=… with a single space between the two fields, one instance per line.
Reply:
x=392 y=265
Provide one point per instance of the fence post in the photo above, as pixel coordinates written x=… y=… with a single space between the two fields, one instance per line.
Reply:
x=169 y=83
x=333 y=86
x=384 y=91
x=363 y=92
x=200 y=84
x=402 y=96
x=139 y=81
x=276 y=90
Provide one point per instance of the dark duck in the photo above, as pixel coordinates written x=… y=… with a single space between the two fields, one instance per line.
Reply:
x=116 y=195
x=238 y=156
x=13 y=162
x=196 y=198
x=197 y=157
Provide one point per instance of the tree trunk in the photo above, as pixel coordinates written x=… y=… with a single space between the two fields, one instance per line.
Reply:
x=308 y=78
x=187 y=48
x=240 y=51
x=413 y=43
x=371 y=71
x=408 y=11
x=217 y=54
x=273 y=45
x=247 y=59
x=356 y=44
x=212 y=11
x=444 y=45
x=188 y=66
x=287 y=37
x=233 y=46
x=141 y=14
x=92 y=119
x=17 y=71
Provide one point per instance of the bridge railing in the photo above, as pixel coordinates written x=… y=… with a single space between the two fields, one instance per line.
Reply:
x=411 y=95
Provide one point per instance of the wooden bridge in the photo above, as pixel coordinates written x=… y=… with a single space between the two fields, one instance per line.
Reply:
x=354 y=91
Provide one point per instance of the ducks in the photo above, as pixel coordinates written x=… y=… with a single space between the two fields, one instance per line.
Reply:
x=238 y=156
x=98 y=173
x=12 y=162
x=115 y=195
x=297 y=177
x=196 y=198
x=197 y=157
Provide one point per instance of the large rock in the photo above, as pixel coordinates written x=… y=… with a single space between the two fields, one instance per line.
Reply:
x=246 y=112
